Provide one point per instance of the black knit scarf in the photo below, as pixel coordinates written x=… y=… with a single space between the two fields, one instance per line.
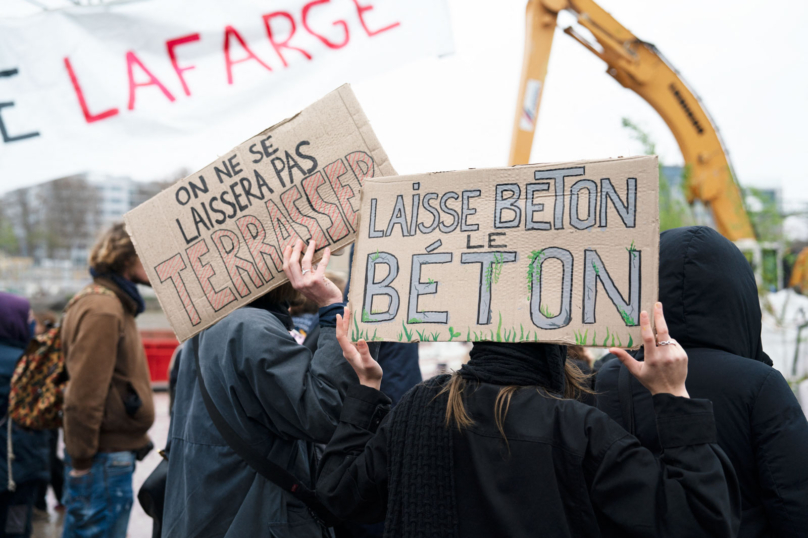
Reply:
x=421 y=494
x=529 y=365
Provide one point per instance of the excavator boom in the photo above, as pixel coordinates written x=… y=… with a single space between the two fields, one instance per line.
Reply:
x=638 y=66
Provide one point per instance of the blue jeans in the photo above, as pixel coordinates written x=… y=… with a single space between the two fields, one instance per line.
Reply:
x=98 y=503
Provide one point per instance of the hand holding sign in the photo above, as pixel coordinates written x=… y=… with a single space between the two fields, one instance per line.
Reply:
x=664 y=369
x=307 y=279
x=358 y=355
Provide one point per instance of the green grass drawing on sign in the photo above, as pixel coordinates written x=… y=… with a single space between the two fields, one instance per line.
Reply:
x=375 y=256
x=365 y=316
x=407 y=334
x=358 y=334
x=355 y=330
x=494 y=271
x=503 y=334
x=413 y=321
x=630 y=341
x=453 y=334
x=544 y=309
x=424 y=336
x=531 y=272
x=627 y=319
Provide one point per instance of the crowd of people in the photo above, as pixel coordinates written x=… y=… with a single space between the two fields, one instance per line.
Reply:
x=282 y=426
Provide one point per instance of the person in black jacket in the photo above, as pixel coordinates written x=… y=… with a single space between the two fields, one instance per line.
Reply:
x=496 y=449
x=711 y=304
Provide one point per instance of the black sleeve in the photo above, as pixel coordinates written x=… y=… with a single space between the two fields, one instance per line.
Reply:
x=352 y=480
x=691 y=490
x=780 y=438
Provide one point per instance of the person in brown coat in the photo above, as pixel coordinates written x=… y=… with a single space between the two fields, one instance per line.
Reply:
x=108 y=403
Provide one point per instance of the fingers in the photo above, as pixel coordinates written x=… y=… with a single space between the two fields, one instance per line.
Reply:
x=291 y=264
x=309 y=256
x=365 y=359
x=634 y=366
x=348 y=350
x=364 y=350
x=661 y=325
x=346 y=324
x=323 y=265
x=340 y=327
x=647 y=334
x=287 y=257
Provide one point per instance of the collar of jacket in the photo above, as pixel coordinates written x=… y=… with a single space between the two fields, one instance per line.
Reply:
x=129 y=304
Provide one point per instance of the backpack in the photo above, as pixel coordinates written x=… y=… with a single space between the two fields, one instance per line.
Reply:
x=39 y=380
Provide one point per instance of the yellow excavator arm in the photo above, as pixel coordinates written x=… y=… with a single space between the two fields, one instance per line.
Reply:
x=640 y=67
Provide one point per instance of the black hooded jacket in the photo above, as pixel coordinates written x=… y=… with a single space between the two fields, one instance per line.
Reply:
x=566 y=470
x=710 y=299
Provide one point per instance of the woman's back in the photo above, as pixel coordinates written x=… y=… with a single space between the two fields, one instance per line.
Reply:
x=540 y=478
x=494 y=450
x=566 y=469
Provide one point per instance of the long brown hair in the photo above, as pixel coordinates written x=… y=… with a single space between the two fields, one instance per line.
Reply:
x=575 y=386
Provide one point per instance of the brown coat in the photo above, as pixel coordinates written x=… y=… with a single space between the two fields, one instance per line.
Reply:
x=107 y=366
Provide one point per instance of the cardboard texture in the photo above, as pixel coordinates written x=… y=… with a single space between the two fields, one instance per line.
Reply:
x=564 y=253
x=214 y=241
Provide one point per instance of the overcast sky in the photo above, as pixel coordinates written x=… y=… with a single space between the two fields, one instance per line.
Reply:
x=746 y=62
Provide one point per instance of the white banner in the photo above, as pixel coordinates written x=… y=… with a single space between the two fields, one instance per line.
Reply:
x=141 y=87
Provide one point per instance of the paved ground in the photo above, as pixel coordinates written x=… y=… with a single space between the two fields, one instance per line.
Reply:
x=49 y=525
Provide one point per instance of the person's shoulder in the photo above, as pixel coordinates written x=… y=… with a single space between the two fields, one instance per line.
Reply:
x=725 y=358
x=570 y=408
x=571 y=424
x=714 y=369
x=563 y=411
x=606 y=370
x=9 y=355
x=97 y=299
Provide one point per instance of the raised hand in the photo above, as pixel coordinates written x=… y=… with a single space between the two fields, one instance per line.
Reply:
x=664 y=369
x=309 y=280
x=358 y=355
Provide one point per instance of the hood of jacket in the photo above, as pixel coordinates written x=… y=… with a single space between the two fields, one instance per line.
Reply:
x=709 y=294
x=15 y=329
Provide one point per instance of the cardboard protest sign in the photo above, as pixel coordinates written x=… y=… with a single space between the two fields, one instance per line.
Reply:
x=214 y=241
x=565 y=253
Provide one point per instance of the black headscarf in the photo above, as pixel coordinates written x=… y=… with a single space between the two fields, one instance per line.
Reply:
x=540 y=365
x=421 y=497
x=709 y=293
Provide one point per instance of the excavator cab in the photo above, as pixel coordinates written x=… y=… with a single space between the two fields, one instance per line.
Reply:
x=639 y=66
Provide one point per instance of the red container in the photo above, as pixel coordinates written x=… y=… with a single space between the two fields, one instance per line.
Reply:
x=159 y=347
